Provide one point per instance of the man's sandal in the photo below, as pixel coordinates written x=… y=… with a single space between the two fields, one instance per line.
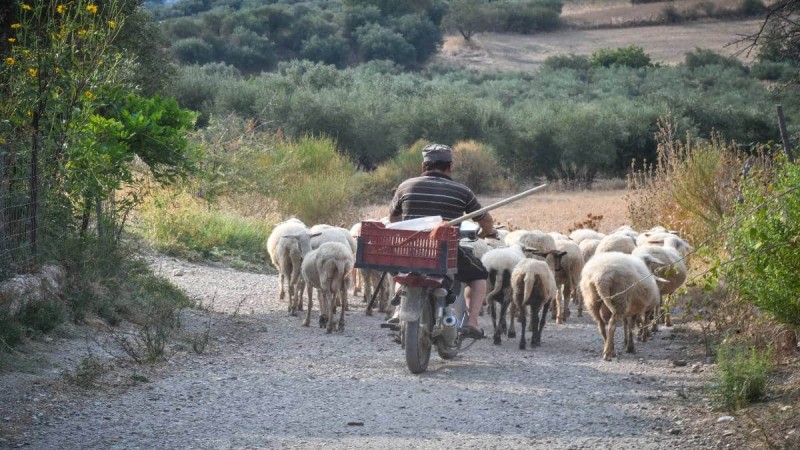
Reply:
x=471 y=332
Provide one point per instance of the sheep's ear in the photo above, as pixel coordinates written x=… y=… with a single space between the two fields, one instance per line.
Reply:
x=649 y=259
x=291 y=236
x=656 y=242
x=661 y=280
x=316 y=234
x=560 y=254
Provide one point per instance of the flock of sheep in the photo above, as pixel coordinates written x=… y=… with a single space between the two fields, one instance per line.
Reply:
x=622 y=276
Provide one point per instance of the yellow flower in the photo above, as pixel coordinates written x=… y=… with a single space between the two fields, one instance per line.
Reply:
x=2 y=140
x=89 y=95
x=92 y=9
x=26 y=7
x=112 y=24
x=33 y=72
x=58 y=69
x=12 y=40
x=81 y=32
x=30 y=113
x=61 y=9
x=10 y=61
x=99 y=63
x=15 y=26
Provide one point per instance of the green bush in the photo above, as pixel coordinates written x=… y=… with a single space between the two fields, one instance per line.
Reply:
x=193 y=51
x=379 y=184
x=377 y=42
x=41 y=317
x=631 y=56
x=764 y=259
x=773 y=71
x=742 y=376
x=752 y=7
x=527 y=17
x=702 y=57
x=477 y=166
x=571 y=61
x=332 y=49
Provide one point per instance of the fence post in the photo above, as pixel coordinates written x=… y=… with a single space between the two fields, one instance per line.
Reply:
x=787 y=145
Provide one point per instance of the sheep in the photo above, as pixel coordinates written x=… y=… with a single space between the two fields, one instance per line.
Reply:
x=588 y=248
x=290 y=226
x=500 y=264
x=533 y=284
x=657 y=232
x=674 y=270
x=328 y=269
x=618 y=287
x=289 y=253
x=568 y=278
x=368 y=280
x=616 y=243
x=327 y=233
x=585 y=233
x=626 y=230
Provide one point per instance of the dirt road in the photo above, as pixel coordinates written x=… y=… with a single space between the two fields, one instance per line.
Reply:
x=267 y=382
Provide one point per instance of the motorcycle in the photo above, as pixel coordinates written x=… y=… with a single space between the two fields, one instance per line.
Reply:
x=431 y=301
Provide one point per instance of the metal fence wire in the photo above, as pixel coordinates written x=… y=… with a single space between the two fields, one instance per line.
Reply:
x=21 y=190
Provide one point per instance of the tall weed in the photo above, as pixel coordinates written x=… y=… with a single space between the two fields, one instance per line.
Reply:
x=476 y=165
x=691 y=186
x=742 y=375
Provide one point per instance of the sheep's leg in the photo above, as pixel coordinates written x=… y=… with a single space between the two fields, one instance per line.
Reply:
x=292 y=294
x=343 y=293
x=579 y=300
x=512 y=333
x=323 y=309
x=331 y=311
x=308 y=310
x=628 y=327
x=282 y=291
x=357 y=275
x=523 y=322
x=301 y=287
x=368 y=286
x=541 y=325
x=498 y=331
x=608 y=351
x=568 y=297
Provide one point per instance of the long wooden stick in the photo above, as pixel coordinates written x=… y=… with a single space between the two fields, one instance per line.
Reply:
x=505 y=201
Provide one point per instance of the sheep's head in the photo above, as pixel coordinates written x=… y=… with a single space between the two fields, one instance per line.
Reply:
x=553 y=257
x=302 y=240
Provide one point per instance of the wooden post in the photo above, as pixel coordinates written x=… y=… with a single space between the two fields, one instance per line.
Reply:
x=787 y=145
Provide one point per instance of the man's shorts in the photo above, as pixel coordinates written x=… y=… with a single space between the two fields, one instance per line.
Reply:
x=470 y=267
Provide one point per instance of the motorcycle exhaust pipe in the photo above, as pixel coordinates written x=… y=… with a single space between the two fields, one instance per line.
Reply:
x=450 y=320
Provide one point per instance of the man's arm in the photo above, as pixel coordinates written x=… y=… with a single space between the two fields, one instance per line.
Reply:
x=487 y=226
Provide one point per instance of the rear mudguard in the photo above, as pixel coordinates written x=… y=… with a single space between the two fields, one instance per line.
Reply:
x=411 y=303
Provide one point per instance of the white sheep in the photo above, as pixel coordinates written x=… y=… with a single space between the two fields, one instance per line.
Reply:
x=289 y=253
x=618 y=287
x=368 y=280
x=669 y=250
x=616 y=243
x=500 y=262
x=290 y=226
x=585 y=233
x=328 y=269
x=588 y=248
x=568 y=278
x=533 y=285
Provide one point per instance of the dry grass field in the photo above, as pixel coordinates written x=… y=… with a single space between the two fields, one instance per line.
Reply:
x=592 y=25
x=549 y=210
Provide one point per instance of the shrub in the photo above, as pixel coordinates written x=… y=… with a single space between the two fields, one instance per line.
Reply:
x=193 y=51
x=527 y=18
x=702 y=57
x=571 y=61
x=773 y=71
x=332 y=49
x=742 y=376
x=632 y=56
x=762 y=243
x=671 y=14
x=683 y=189
x=379 y=184
x=477 y=166
x=377 y=42
x=421 y=33
x=41 y=317
x=752 y=7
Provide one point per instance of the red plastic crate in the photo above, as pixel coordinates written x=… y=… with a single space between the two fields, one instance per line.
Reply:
x=391 y=250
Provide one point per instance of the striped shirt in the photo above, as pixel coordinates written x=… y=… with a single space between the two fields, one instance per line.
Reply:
x=433 y=194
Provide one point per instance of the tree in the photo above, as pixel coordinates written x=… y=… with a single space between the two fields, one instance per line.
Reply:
x=778 y=38
x=467 y=17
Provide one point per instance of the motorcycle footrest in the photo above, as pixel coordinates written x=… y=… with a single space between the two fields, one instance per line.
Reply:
x=391 y=326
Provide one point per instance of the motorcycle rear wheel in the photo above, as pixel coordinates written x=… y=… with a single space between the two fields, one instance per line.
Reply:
x=417 y=339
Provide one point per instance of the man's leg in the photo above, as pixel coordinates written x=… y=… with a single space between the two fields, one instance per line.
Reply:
x=474 y=293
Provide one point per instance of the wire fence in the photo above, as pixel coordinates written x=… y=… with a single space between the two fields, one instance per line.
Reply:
x=21 y=208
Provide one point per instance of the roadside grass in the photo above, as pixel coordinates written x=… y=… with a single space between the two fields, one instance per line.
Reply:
x=741 y=375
